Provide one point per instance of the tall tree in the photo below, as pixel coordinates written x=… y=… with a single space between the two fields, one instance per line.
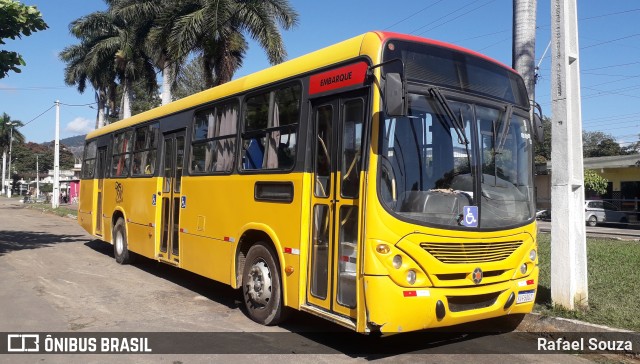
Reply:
x=600 y=144
x=8 y=132
x=25 y=158
x=9 y=128
x=153 y=20
x=633 y=147
x=190 y=79
x=214 y=29
x=80 y=69
x=115 y=45
x=16 y=20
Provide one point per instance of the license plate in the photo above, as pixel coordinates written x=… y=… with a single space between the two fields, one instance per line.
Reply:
x=526 y=296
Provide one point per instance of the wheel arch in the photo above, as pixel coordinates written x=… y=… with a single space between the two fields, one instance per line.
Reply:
x=117 y=214
x=251 y=234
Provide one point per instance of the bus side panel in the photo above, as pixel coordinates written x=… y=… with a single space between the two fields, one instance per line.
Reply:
x=86 y=208
x=205 y=256
x=137 y=203
x=217 y=209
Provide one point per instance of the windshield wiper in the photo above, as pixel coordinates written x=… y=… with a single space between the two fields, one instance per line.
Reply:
x=505 y=128
x=457 y=124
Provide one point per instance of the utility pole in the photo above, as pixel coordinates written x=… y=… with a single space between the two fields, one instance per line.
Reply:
x=37 y=176
x=568 y=239
x=4 y=171
x=524 y=44
x=10 y=146
x=55 y=201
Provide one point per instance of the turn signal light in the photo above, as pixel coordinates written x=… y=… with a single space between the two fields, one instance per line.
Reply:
x=383 y=249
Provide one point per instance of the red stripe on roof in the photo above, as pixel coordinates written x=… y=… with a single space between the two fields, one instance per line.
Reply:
x=384 y=36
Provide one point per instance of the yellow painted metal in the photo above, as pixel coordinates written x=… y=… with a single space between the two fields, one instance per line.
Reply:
x=221 y=213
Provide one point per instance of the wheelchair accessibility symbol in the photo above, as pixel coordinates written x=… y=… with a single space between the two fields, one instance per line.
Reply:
x=470 y=218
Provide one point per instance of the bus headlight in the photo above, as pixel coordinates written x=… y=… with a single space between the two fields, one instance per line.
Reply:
x=411 y=276
x=523 y=268
x=397 y=261
x=532 y=255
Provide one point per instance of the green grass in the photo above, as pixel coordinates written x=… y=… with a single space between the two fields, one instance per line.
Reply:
x=60 y=211
x=613 y=268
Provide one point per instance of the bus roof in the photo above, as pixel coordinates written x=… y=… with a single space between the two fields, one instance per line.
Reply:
x=364 y=44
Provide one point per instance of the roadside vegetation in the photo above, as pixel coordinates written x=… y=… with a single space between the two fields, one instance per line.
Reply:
x=46 y=208
x=613 y=283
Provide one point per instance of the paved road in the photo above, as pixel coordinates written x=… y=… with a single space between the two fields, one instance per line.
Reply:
x=56 y=278
x=608 y=231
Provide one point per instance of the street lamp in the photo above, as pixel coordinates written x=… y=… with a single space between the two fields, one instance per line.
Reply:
x=10 y=145
x=37 y=177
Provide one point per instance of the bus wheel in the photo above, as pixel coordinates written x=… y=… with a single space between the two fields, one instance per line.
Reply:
x=120 y=248
x=261 y=289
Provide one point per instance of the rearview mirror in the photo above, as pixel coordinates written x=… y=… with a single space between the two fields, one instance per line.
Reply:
x=538 y=128
x=395 y=95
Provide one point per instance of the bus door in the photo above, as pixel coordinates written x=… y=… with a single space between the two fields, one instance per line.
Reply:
x=335 y=204
x=171 y=200
x=100 y=174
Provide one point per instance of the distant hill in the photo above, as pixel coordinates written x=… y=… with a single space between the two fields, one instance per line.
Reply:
x=74 y=144
x=75 y=141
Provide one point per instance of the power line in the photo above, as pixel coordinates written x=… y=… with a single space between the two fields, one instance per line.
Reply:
x=450 y=13
x=624 y=116
x=93 y=103
x=414 y=14
x=28 y=122
x=609 y=41
x=611 y=66
x=459 y=16
x=546 y=26
x=34 y=88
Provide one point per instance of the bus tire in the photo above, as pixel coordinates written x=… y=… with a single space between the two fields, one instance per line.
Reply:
x=261 y=286
x=120 y=247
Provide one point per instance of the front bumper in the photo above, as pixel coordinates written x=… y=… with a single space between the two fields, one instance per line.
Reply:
x=392 y=308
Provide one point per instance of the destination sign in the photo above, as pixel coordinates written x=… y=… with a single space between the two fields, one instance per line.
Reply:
x=350 y=75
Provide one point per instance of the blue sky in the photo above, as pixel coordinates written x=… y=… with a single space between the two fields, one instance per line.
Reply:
x=609 y=56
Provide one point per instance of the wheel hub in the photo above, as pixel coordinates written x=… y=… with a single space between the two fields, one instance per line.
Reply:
x=259 y=283
x=119 y=242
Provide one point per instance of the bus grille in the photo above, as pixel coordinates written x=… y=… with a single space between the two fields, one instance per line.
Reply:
x=462 y=253
x=466 y=303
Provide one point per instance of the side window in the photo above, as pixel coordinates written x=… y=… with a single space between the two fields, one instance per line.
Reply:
x=351 y=152
x=89 y=160
x=145 y=144
x=269 y=137
x=121 y=151
x=214 y=139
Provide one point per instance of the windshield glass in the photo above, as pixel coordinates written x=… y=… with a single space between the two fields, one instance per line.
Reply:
x=428 y=174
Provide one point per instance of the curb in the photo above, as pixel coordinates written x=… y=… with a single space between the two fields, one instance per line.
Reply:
x=535 y=322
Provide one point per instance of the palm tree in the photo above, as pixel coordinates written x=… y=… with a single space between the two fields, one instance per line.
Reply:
x=78 y=71
x=9 y=128
x=8 y=132
x=152 y=19
x=114 y=46
x=215 y=29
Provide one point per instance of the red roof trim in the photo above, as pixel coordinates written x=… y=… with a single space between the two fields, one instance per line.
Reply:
x=384 y=36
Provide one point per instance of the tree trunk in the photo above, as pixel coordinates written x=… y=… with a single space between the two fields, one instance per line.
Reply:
x=166 y=83
x=125 y=109
x=524 y=42
x=100 y=122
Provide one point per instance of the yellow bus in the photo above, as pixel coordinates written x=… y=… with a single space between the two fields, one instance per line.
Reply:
x=384 y=183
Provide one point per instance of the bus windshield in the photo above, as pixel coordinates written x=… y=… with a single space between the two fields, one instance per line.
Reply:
x=429 y=174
